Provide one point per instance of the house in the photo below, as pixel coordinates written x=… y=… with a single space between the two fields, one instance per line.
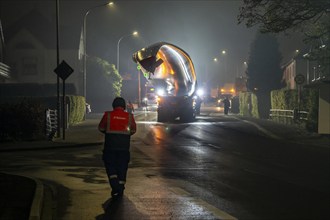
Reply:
x=312 y=77
x=296 y=66
x=4 y=69
x=31 y=50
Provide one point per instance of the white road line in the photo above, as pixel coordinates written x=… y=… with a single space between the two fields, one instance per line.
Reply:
x=147 y=122
x=214 y=146
x=270 y=134
x=215 y=211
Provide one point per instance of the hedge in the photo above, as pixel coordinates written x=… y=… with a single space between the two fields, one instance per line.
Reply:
x=77 y=109
x=22 y=121
x=23 y=118
x=248 y=104
x=288 y=100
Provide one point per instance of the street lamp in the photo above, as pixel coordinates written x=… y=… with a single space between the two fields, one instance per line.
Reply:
x=224 y=53
x=84 y=41
x=135 y=33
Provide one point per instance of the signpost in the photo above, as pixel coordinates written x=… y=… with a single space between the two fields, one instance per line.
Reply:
x=299 y=79
x=63 y=70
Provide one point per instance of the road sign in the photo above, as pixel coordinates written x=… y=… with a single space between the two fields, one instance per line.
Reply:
x=63 y=70
x=299 y=79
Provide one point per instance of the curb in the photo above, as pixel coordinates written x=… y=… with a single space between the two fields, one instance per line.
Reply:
x=36 y=207
x=64 y=145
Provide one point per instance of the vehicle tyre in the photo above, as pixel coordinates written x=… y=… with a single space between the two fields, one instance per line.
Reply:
x=162 y=117
x=187 y=116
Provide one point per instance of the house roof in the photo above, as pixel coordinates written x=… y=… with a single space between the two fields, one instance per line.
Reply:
x=44 y=31
x=2 y=43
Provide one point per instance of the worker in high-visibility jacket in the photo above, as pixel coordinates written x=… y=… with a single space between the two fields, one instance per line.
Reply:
x=130 y=107
x=118 y=126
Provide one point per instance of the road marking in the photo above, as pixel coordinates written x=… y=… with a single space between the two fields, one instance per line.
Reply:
x=214 y=146
x=218 y=213
x=180 y=191
x=270 y=134
x=215 y=211
x=147 y=122
x=191 y=123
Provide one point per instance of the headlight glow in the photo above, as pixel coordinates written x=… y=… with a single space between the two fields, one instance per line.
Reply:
x=200 y=92
x=160 y=92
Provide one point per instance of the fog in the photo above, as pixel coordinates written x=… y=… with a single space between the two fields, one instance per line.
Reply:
x=202 y=28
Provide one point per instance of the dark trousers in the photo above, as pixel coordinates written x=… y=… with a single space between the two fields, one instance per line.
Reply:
x=116 y=165
x=226 y=110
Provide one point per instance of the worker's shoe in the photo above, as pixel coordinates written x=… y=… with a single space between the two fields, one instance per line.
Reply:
x=117 y=194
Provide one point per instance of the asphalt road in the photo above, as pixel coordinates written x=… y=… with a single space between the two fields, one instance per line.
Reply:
x=215 y=168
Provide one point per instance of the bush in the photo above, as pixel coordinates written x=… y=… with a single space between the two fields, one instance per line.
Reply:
x=77 y=109
x=244 y=104
x=288 y=100
x=254 y=104
x=22 y=121
x=248 y=104
x=24 y=118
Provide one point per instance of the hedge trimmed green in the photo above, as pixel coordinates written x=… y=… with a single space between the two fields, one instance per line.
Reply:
x=255 y=110
x=248 y=104
x=285 y=99
x=77 y=109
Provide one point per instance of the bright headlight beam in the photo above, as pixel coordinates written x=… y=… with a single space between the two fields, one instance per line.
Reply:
x=200 y=92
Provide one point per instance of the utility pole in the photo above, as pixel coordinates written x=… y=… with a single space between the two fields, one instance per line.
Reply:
x=57 y=63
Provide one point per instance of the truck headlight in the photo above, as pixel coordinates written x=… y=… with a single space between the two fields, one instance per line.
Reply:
x=160 y=92
x=200 y=92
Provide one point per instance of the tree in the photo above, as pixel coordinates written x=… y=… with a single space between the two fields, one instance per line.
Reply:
x=103 y=84
x=264 y=71
x=311 y=17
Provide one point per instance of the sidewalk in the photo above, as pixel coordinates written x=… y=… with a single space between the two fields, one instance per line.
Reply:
x=22 y=197
x=32 y=190
x=73 y=138
x=268 y=128
x=292 y=133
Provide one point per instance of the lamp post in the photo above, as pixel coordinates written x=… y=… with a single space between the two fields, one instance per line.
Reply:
x=135 y=33
x=216 y=60
x=224 y=54
x=245 y=68
x=84 y=42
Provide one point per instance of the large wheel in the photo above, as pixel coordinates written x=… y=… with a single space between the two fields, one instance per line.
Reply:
x=162 y=116
x=188 y=115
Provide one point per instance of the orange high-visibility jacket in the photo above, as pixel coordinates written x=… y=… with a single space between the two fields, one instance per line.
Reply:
x=118 y=126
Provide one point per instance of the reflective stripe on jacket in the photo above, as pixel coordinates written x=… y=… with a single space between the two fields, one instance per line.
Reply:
x=118 y=126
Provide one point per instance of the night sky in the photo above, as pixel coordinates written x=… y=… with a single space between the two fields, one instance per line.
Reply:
x=202 y=28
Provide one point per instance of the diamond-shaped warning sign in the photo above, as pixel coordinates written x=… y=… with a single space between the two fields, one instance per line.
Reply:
x=63 y=70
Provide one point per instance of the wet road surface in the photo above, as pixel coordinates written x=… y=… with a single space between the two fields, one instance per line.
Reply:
x=215 y=168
